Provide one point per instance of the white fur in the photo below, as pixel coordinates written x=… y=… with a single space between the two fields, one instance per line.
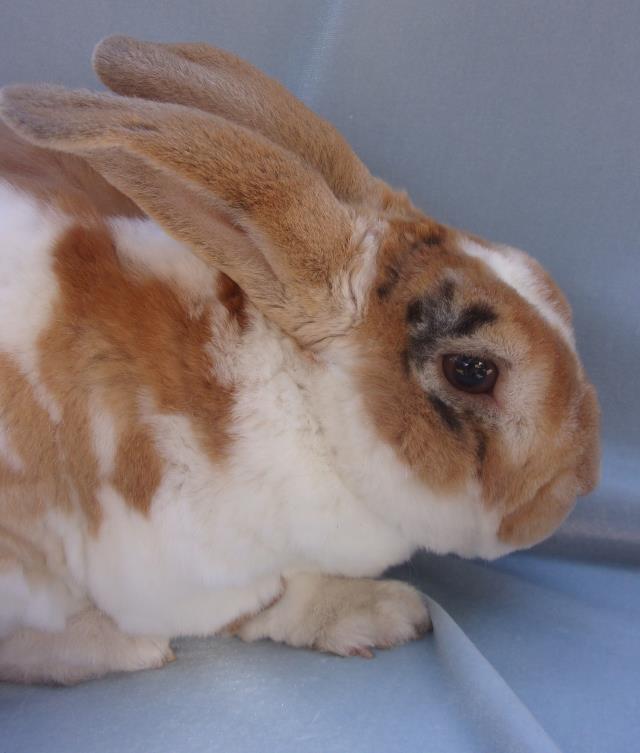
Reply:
x=356 y=282
x=38 y=600
x=91 y=646
x=457 y=523
x=8 y=454
x=153 y=253
x=511 y=267
x=67 y=553
x=308 y=486
x=345 y=616
x=27 y=285
x=103 y=434
x=150 y=253
x=294 y=496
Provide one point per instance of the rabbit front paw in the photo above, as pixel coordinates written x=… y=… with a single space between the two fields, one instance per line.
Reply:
x=344 y=616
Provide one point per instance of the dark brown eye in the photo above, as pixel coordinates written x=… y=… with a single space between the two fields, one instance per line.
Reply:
x=470 y=373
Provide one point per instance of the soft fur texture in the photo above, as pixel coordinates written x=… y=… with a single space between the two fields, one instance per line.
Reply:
x=222 y=403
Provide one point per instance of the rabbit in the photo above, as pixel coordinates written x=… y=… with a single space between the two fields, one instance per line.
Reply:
x=240 y=377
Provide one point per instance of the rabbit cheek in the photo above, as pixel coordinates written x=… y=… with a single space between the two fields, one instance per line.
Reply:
x=588 y=439
x=535 y=520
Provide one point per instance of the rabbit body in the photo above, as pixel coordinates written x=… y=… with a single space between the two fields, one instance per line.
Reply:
x=224 y=403
x=208 y=533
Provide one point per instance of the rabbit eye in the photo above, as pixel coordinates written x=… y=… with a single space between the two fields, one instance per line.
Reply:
x=470 y=373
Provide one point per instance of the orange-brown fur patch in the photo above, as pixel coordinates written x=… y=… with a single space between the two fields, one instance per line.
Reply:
x=114 y=337
x=414 y=259
x=138 y=469
x=125 y=336
x=545 y=283
x=25 y=492
x=233 y=299
x=398 y=405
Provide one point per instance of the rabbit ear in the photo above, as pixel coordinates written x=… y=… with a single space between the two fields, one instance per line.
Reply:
x=244 y=204
x=216 y=81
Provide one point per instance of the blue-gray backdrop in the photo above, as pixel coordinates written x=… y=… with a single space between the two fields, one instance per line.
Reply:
x=519 y=121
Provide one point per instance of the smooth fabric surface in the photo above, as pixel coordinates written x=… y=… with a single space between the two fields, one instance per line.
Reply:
x=533 y=655
x=519 y=121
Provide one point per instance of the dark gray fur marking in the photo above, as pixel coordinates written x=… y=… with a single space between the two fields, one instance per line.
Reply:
x=481 y=447
x=446 y=413
x=432 y=318
x=472 y=318
x=391 y=280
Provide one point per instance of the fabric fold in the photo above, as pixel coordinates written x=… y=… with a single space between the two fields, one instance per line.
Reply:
x=503 y=721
